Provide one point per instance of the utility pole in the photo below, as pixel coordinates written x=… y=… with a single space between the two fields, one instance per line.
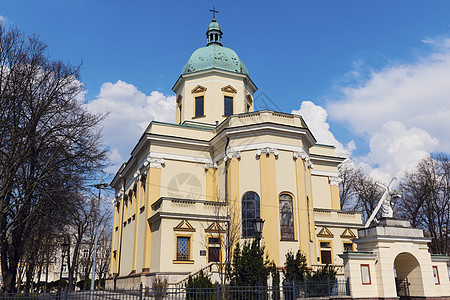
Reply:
x=94 y=259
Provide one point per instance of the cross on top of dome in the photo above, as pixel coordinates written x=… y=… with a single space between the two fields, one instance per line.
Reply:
x=214 y=33
x=214 y=11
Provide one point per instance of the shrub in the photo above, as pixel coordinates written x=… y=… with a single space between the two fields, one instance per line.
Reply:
x=199 y=287
x=159 y=287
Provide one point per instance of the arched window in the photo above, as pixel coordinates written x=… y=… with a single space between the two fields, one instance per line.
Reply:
x=286 y=217
x=250 y=211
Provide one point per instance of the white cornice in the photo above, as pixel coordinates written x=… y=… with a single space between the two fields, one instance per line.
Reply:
x=324 y=173
x=334 y=180
x=327 y=159
x=251 y=130
x=258 y=146
x=170 y=156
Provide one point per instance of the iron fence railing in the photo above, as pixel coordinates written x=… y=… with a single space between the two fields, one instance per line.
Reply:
x=288 y=291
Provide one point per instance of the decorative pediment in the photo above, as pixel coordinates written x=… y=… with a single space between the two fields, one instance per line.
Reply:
x=198 y=89
x=215 y=228
x=325 y=232
x=348 y=233
x=229 y=89
x=184 y=226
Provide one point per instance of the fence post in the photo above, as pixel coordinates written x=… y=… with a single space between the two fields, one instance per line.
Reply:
x=217 y=291
x=140 y=291
x=328 y=286
x=293 y=290
x=306 y=287
x=65 y=293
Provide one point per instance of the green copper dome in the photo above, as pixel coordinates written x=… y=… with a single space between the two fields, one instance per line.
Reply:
x=214 y=55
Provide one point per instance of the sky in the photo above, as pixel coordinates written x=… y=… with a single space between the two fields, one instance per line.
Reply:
x=370 y=77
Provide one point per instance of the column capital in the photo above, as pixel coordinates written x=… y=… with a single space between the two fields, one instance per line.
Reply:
x=210 y=165
x=334 y=180
x=231 y=154
x=303 y=155
x=154 y=162
x=267 y=151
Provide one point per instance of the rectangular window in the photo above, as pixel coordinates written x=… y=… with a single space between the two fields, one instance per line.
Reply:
x=348 y=247
x=228 y=106
x=199 y=106
x=213 y=240
x=436 y=275
x=179 y=114
x=213 y=254
x=365 y=274
x=325 y=253
x=85 y=253
x=183 y=248
x=64 y=268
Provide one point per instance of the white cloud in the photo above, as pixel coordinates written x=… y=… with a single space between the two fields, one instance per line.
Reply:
x=316 y=118
x=404 y=110
x=396 y=149
x=129 y=113
x=3 y=20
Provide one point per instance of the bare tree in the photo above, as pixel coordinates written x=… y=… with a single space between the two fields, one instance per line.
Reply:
x=426 y=200
x=50 y=145
x=104 y=249
x=357 y=190
x=225 y=230
x=348 y=173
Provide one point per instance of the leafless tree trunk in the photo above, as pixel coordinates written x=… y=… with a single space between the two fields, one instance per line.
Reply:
x=50 y=144
x=426 y=200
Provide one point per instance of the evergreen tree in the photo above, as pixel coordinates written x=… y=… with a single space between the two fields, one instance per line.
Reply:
x=295 y=267
x=250 y=267
x=323 y=274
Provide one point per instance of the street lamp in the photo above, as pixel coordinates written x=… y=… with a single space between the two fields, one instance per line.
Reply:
x=99 y=187
x=258 y=223
x=64 y=248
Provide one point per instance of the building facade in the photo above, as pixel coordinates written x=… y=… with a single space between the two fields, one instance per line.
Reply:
x=192 y=190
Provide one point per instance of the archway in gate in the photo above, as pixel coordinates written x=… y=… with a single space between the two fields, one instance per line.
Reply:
x=408 y=276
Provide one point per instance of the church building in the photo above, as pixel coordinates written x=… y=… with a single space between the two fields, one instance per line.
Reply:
x=192 y=189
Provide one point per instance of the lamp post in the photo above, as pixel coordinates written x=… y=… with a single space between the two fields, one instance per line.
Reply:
x=94 y=260
x=259 y=224
x=64 y=248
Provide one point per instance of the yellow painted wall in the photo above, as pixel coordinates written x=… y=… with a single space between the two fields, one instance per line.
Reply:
x=269 y=209
x=213 y=99
x=181 y=179
x=233 y=192
x=211 y=185
x=304 y=234
x=249 y=166
x=286 y=183
x=154 y=191
x=321 y=191
x=335 y=202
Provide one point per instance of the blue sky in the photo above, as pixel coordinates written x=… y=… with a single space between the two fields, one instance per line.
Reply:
x=358 y=62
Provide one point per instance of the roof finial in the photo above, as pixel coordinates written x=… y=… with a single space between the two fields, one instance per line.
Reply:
x=214 y=11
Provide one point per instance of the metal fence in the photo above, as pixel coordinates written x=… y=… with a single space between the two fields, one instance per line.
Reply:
x=287 y=291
